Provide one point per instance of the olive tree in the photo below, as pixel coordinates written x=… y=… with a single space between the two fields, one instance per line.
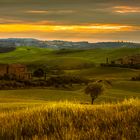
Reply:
x=94 y=90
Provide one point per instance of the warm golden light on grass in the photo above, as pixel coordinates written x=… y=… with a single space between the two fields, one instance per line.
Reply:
x=70 y=121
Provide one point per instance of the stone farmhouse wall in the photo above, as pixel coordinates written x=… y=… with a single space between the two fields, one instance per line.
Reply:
x=15 y=69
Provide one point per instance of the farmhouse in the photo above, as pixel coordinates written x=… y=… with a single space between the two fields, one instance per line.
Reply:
x=135 y=59
x=19 y=70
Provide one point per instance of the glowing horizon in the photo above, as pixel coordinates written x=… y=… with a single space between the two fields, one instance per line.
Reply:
x=95 y=28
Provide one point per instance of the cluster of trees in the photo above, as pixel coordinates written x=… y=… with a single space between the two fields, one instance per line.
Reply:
x=55 y=81
x=133 y=66
x=18 y=84
x=64 y=80
x=10 y=84
x=9 y=77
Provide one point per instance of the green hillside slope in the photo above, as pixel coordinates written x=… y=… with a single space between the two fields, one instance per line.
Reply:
x=69 y=60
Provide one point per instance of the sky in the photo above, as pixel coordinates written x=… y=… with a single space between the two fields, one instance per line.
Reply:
x=73 y=20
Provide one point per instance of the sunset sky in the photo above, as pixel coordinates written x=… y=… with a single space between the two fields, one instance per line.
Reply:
x=75 y=20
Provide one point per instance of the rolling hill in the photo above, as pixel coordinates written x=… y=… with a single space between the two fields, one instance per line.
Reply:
x=52 y=57
x=79 y=62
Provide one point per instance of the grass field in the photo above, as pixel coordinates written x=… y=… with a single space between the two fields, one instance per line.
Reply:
x=105 y=73
x=69 y=121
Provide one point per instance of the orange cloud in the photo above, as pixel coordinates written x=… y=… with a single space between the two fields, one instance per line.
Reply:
x=95 y=28
x=37 y=12
x=126 y=9
x=50 y=11
x=2 y=20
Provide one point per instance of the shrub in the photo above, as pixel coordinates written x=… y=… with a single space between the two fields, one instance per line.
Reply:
x=39 y=73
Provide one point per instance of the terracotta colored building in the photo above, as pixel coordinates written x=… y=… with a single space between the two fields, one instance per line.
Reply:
x=135 y=59
x=19 y=70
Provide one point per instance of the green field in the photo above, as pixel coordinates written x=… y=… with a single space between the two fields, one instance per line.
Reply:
x=65 y=113
x=64 y=60
x=118 y=92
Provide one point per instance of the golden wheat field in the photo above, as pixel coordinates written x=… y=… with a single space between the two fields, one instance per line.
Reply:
x=70 y=121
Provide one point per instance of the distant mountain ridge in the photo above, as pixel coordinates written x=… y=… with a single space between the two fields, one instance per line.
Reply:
x=58 y=44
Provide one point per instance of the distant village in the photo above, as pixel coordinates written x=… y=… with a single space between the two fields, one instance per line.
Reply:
x=58 y=44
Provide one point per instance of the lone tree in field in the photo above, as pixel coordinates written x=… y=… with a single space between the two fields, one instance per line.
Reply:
x=94 y=90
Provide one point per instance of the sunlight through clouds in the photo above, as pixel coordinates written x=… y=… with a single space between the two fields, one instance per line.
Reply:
x=73 y=19
x=126 y=9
